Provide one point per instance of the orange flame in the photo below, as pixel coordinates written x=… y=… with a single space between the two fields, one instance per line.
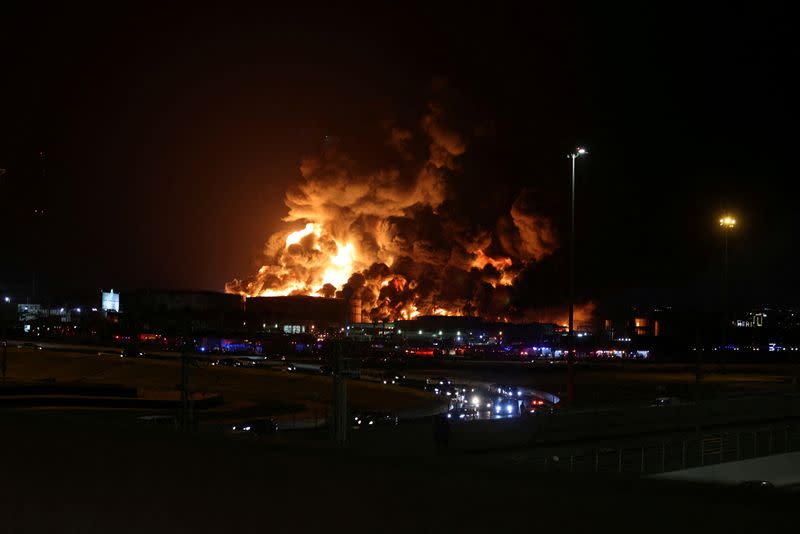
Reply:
x=501 y=264
x=377 y=234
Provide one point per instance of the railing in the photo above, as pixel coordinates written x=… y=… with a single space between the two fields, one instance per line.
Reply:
x=672 y=455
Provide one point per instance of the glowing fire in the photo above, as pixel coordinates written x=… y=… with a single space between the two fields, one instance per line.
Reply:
x=296 y=237
x=501 y=264
x=383 y=237
x=341 y=266
x=312 y=261
x=340 y=261
x=482 y=260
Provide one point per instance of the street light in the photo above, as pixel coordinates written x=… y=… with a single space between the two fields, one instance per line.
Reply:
x=727 y=223
x=571 y=333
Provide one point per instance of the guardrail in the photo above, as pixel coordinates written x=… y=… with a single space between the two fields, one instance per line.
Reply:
x=667 y=455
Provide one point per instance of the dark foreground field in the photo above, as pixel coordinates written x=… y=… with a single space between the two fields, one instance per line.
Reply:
x=59 y=475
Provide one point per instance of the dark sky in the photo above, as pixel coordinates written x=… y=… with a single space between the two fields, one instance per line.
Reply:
x=169 y=136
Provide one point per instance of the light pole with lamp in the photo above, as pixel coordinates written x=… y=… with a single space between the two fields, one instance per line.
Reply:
x=727 y=223
x=571 y=331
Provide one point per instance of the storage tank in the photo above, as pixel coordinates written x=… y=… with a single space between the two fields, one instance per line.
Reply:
x=355 y=311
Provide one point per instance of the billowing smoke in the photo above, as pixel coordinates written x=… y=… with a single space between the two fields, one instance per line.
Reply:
x=583 y=315
x=393 y=236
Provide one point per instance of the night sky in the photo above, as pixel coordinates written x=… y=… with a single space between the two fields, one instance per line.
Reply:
x=170 y=136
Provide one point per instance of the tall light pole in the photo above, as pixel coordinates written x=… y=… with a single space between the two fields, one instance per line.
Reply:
x=571 y=332
x=727 y=223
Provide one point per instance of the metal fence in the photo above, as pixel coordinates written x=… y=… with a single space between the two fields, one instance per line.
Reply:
x=706 y=448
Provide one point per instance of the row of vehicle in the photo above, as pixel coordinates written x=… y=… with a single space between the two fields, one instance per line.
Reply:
x=373 y=418
x=127 y=352
x=358 y=419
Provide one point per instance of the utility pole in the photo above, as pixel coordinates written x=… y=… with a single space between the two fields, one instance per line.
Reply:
x=571 y=331
x=184 y=389
x=340 y=417
x=4 y=341
x=186 y=419
x=4 y=363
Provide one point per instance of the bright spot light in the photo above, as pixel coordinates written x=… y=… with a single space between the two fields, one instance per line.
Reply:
x=7 y=299
x=509 y=408
x=341 y=266
x=295 y=237
x=475 y=400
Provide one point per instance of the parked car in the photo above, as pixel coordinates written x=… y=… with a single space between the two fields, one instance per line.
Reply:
x=393 y=378
x=132 y=352
x=504 y=406
x=258 y=427
x=666 y=401
x=438 y=381
x=227 y=362
x=756 y=486
x=462 y=414
x=367 y=419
